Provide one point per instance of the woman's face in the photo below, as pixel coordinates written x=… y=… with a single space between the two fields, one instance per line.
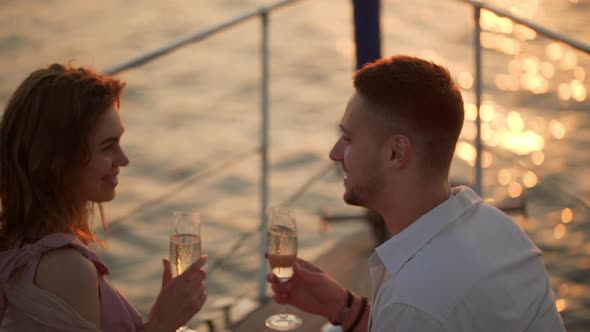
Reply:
x=98 y=177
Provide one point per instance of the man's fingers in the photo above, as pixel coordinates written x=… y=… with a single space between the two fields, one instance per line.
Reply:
x=306 y=272
x=282 y=287
x=281 y=298
x=270 y=277
x=303 y=264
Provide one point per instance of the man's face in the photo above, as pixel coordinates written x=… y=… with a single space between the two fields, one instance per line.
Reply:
x=360 y=154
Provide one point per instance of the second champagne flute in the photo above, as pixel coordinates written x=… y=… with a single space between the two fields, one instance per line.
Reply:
x=185 y=245
x=282 y=253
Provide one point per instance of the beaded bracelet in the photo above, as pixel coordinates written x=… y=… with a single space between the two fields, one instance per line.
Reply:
x=359 y=316
x=344 y=309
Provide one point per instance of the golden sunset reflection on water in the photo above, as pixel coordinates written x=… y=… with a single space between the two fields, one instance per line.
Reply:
x=554 y=51
x=561 y=304
x=487 y=113
x=579 y=73
x=486 y=159
x=567 y=215
x=569 y=60
x=506 y=82
x=529 y=72
x=500 y=43
x=470 y=112
x=533 y=92
x=530 y=179
x=547 y=69
x=507 y=131
x=466 y=151
x=486 y=132
x=523 y=33
x=578 y=90
x=492 y=22
x=514 y=189
x=515 y=122
x=564 y=289
x=557 y=129
x=504 y=176
x=465 y=80
x=556 y=70
x=559 y=231
x=564 y=91
x=538 y=157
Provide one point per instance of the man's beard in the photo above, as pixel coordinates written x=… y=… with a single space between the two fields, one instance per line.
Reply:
x=361 y=195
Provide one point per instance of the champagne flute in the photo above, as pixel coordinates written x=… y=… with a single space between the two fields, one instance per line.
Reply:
x=281 y=240
x=185 y=245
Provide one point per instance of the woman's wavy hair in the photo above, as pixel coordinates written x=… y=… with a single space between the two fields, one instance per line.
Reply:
x=44 y=135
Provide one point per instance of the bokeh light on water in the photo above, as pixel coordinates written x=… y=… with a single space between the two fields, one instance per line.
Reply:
x=567 y=215
x=535 y=130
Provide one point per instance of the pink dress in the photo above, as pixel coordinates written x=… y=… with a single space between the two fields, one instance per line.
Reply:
x=26 y=307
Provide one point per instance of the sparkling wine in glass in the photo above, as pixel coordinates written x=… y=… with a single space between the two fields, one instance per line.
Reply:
x=281 y=240
x=185 y=245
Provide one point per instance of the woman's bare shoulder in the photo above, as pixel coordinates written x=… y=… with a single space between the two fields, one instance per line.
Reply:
x=65 y=265
x=72 y=277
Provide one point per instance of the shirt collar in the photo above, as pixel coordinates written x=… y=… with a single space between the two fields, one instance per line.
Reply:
x=397 y=251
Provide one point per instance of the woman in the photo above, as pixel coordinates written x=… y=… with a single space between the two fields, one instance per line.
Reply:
x=60 y=155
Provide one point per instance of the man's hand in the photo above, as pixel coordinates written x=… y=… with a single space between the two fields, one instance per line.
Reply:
x=311 y=290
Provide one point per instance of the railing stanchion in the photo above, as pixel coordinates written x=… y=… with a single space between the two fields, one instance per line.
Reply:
x=263 y=153
x=478 y=90
x=264 y=13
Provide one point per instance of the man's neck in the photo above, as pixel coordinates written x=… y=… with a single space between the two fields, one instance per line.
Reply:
x=402 y=207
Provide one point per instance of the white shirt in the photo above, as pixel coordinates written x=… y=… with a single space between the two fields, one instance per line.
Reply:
x=463 y=266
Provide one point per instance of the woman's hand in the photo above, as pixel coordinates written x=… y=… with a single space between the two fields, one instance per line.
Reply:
x=180 y=298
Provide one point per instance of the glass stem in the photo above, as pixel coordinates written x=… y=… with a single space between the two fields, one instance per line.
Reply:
x=283 y=307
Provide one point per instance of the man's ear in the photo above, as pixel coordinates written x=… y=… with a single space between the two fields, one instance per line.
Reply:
x=399 y=150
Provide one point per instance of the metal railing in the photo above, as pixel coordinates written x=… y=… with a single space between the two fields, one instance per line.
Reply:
x=477 y=7
x=263 y=14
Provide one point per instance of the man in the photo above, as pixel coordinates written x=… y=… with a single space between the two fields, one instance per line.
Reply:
x=453 y=263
